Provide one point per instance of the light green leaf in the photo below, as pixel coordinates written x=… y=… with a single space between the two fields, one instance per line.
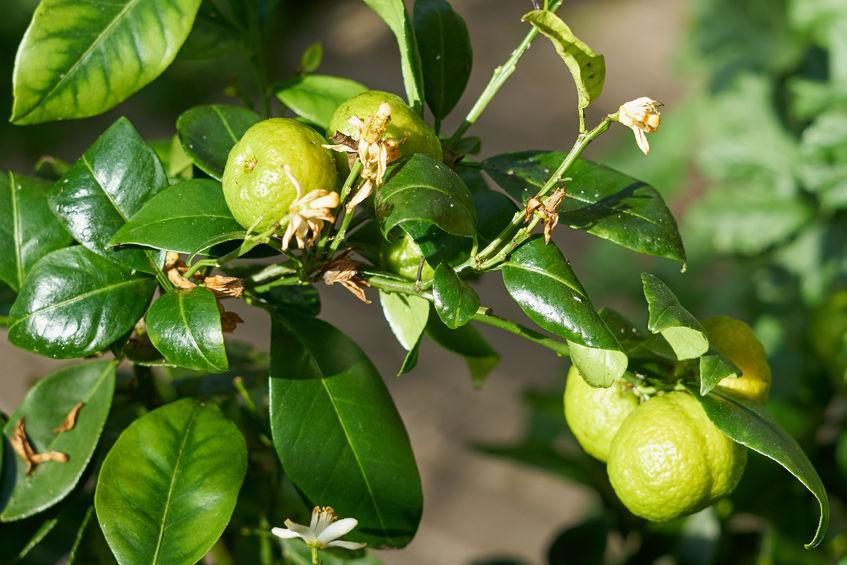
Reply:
x=45 y=407
x=393 y=13
x=168 y=486
x=311 y=58
x=316 y=97
x=28 y=229
x=79 y=58
x=208 y=133
x=714 y=367
x=587 y=68
x=337 y=431
x=407 y=316
x=682 y=331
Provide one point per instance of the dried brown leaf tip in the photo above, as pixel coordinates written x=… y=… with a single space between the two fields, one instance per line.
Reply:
x=224 y=287
x=70 y=419
x=345 y=271
x=20 y=444
x=548 y=210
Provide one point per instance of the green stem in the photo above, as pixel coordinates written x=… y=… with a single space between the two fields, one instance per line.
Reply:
x=315 y=559
x=498 y=79
x=348 y=214
x=249 y=243
x=558 y=347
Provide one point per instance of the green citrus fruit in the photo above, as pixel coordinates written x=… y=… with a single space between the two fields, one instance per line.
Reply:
x=736 y=340
x=256 y=188
x=406 y=127
x=595 y=414
x=403 y=256
x=668 y=459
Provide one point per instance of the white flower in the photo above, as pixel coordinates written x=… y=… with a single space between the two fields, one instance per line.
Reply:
x=642 y=117
x=322 y=532
x=307 y=214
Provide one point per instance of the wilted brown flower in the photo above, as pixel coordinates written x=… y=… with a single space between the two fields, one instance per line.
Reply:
x=308 y=213
x=344 y=271
x=224 y=287
x=548 y=209
x=642 y=117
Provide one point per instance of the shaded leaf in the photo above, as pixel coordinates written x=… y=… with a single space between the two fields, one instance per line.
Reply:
x=45 y=406
x=327 y=399
x=454 y=299
x=316 y=97
x=208 y=133
x=111 y=182
x=185 y=326
x=28 y=229
x=189 y=217
x=168 y=486
x=682 y=331
x=468 y=342
x=581 y=544
x=76 y=303
x=446 y=54
x=81 y=58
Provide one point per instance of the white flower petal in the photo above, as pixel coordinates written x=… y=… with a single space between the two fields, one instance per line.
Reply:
x=306 y=533
x=337 y=529
x=284 y=533
x=641 y=139
x=351 y=545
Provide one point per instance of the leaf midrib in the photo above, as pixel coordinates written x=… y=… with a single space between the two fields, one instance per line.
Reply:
x=181 y=301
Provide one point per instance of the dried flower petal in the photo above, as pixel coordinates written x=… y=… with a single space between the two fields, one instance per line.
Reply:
x=224 y=287
x=20 y=444
x=549 y=211
x=308 y=213
x=345 y=272
x=70 y=419
x=642 y=117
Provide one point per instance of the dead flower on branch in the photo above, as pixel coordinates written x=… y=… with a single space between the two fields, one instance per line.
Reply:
x=548 y=210
x=642 y=117
x=308 y=213
x=344 y=271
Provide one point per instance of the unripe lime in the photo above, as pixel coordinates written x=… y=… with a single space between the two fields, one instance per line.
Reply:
x=403 y=257
x=256 y=188
x=405 y=127
x=736 y=340
x=595 y=414
x=668 y=459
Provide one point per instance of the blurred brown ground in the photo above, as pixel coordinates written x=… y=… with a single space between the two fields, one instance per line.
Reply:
x=475 y=506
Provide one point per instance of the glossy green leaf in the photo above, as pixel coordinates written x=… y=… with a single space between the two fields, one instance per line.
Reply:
x=189 y=217
x=185 y=326
x=422 y=189
x=90 y=547
x=393 y=13
x=714 y=367
x=301 y=298
x=446 y=54
x=468 y=342
x=28 y=229
x=212 y=34
x=75 y=303
x=587 y=68
x=494 y=210
x=168 y=486
x=316 y=97
x=45 y=407
x=599 y=200
x=79 y=58
x=208 y=133
x=454 y=299
x=311 y=58
x=110 y=183
x=337 y=431
x=406 y=315
x=540 y=280
x=750 y=425
x=682 y=331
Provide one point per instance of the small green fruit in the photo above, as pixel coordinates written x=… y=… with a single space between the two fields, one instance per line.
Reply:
x=402 y=257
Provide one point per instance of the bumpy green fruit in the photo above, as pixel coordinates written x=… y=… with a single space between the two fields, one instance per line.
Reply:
x=668 y=459
x=405 y=127
x=595 y=414
x=256 y=188
x=403 y=256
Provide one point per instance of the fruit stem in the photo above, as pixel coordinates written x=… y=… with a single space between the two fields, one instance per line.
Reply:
x=348 y=214
x=498 y=79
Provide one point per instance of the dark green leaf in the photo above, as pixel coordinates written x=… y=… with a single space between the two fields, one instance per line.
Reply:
x=422 y=189
x=468 y=342
x=587 y=68
x=824 y=151
x=79 y=59
x=168 y=486
x=454 y=299
x=189 y=217
x=581 y=544
x=714 y=367
x=316 y=97
x=212 y=35
x=185 y=325
x=494 y=210
x=541 y=281
x=50 y=168
x=393 y=13
x=682 y=331
x=45 y=407
x=90 y=547
x=28 y=229
x=599 y=200
x=311 y=58
x=208 y=133
x=627 y=333
x=750 y=425
x=338 y=433
x=446 y=54
x=304 y=299
x=110 y=183
x=76 y=303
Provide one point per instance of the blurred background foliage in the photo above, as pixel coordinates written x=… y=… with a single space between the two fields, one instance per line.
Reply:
x=754 y=161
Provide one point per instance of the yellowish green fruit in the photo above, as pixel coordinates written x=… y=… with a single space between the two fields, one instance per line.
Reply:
x=402 y=257
x=256 y=188
x=669 y=460
x=594 y=415
x=405 y=127
x=737 y=342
